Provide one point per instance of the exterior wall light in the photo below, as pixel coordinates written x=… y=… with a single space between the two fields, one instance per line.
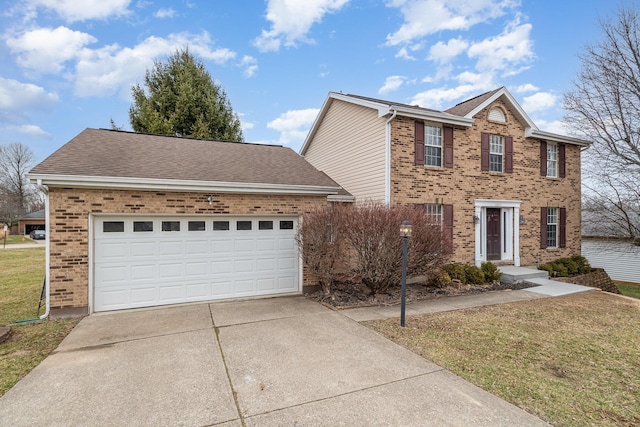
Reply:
x=476 y=219
x=522 y=220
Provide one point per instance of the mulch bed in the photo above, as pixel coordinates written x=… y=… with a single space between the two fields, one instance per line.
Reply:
x=350 y=295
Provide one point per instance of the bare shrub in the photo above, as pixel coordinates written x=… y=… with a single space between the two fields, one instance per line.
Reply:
x=322 y=243
x=372 y=231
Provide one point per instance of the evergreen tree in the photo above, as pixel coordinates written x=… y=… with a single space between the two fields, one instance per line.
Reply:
x=181 y=99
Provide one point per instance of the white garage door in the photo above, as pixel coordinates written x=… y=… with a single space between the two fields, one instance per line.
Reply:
x=143 y=261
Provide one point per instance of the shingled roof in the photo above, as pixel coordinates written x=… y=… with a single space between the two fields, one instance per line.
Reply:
x=109 y=153
x=465 y=107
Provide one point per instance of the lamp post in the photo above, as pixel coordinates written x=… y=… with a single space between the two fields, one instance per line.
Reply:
x=405 y=233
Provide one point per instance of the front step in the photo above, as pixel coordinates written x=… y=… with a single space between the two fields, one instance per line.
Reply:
x=512 y=274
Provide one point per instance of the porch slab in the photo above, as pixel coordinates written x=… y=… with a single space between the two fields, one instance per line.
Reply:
x=512 y=274
x=553 y=288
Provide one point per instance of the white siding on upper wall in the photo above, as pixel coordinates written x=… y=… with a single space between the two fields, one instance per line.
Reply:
x=621 y=260
x=359 y=164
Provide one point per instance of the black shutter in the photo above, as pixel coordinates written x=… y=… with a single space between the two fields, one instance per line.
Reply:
x=448 y=146
x=562 y=160
x=419 y=144
x=543 y=226
x=543 y=158
x=508 y=154
x=563 y=228
x=484 y=151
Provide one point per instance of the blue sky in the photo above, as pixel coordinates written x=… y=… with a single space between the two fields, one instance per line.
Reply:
x=66 y=65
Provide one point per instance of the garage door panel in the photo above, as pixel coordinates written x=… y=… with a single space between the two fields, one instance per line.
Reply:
x=135 y=269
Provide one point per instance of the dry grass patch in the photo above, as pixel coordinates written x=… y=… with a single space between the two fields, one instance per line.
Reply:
x=572 y=361
x=29 y=344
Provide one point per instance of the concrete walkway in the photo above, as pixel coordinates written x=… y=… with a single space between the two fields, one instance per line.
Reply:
x=268 y=362
x=27 y=244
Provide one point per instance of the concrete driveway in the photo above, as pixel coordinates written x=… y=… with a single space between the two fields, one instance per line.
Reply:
x=269 y=362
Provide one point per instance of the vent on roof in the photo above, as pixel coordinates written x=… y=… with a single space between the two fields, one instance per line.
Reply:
x=497 y=115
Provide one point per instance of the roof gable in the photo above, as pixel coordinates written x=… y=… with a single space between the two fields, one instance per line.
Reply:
x=132 y=158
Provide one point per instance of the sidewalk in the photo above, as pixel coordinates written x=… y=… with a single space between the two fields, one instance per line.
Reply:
x=27 y=244
x=543 y=288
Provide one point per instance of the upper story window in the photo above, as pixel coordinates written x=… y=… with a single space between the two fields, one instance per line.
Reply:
x=552 y=160
x=496 y=153
x=433 y=146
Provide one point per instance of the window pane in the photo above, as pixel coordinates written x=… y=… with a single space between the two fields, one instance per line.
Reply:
x=552 y=227
x=170 y=225
x=434 y=211
x=113 y=227
x=286 y=225
x=220 y=225
x=196 y=225
x=496 y=147
x=139 y=226
x=265 y=225
x=433 y=146
x=552 y=160
x=243 y=225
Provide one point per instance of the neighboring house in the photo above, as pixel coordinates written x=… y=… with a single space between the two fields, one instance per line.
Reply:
x=605 y=243
x=137 y=220
x=504 y=190
x=31 y=221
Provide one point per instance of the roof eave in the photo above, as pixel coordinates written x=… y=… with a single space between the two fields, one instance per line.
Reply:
x=435 y=116
x=548 y=136
x=147 y=184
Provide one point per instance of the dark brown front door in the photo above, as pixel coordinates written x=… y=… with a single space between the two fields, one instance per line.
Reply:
x=493 y=234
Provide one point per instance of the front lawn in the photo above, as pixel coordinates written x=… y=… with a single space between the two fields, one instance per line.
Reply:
x=629 y=289
x=16 y=239
x=572 y=361
x=22 y=272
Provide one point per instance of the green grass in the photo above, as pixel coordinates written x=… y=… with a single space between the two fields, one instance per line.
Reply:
x=16 y=239
x=20 y=286
x=572 y=361
x=629 y=289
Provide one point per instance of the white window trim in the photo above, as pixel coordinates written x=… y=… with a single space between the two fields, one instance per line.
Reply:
x=554 y=161
x=501 y=154
x=557 y=225
x=427 y=139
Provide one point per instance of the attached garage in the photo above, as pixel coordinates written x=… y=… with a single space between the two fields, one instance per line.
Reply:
x=144 y=220
x=141 y=261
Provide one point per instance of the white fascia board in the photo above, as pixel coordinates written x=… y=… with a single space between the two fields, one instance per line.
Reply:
x=435 y=116
x=548 y=136
x=128 y=183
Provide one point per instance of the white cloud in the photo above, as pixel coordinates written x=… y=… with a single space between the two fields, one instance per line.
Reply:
x=540 y=101
x=45 y=50
x=291 y=20
x=74 y=10
x=445 y=52
x=17 y=97
x=403 y=53
x=294 y=125
x=441 y=98
x=424 y=17
x=31 y=130
x=165 y=13
x=527 y=87
x=250 y=65
x=112 y=69
x=503 y=52
x=391 y=84
x=555 y=126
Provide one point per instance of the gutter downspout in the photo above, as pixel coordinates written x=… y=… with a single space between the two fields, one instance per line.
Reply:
x=387 y=168
x=45 y=190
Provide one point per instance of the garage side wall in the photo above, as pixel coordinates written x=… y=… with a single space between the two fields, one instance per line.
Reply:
x=69 y=227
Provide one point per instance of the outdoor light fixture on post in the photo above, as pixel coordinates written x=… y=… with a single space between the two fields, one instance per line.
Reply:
x=405 y=233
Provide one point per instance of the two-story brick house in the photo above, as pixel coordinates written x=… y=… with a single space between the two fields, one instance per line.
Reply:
x=504 y=190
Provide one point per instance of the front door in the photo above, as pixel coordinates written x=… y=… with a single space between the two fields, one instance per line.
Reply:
x=493 y=234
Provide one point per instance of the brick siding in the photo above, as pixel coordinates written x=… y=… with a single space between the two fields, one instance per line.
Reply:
x=69 y=225
x=465 y=182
